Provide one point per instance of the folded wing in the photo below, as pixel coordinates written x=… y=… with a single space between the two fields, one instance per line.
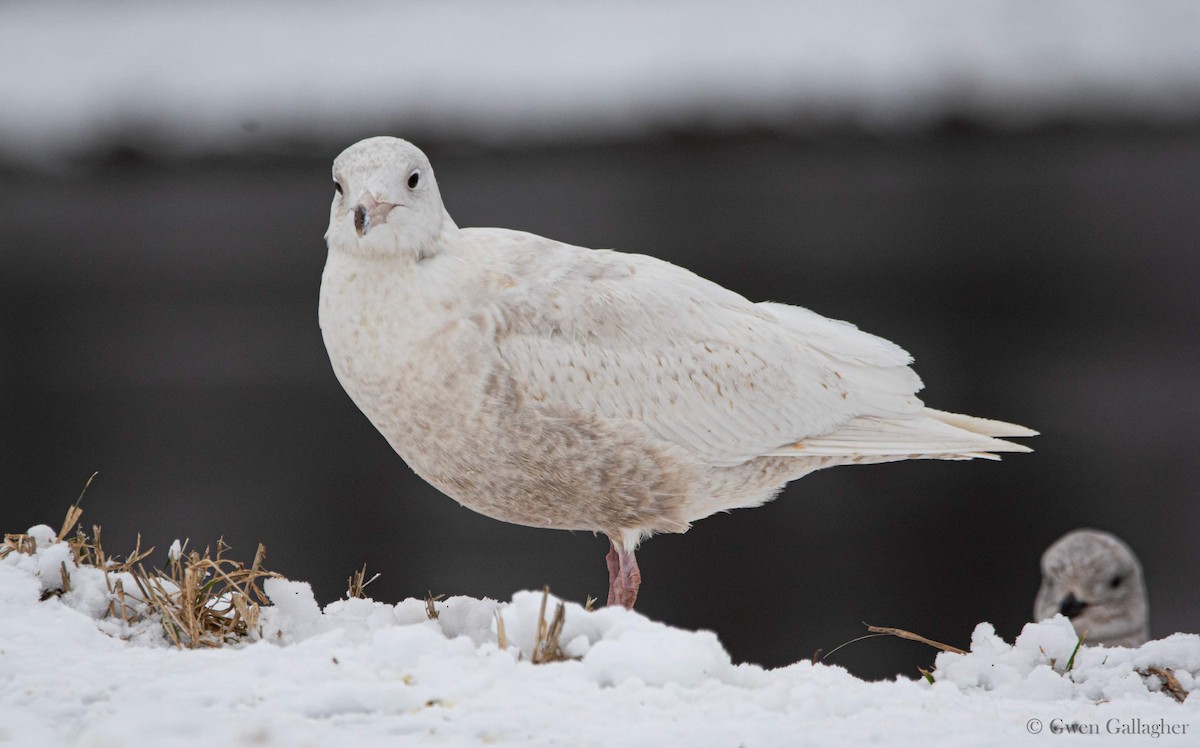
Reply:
x=632 y=338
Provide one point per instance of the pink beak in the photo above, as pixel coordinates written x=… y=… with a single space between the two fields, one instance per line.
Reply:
x=370 y=213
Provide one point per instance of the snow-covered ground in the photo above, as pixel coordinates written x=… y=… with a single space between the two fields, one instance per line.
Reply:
x=226 y=76
x=365 y=673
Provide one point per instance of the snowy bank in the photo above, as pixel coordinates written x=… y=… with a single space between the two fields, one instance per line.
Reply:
x=366 y=673
x=198 y=77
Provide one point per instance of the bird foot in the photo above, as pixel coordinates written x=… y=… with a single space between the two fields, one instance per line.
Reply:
x=624 y=578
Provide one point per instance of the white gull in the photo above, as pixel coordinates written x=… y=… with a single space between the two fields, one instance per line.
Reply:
x=555 y=386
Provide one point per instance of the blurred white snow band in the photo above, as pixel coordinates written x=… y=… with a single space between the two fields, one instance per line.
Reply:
x=224 y=76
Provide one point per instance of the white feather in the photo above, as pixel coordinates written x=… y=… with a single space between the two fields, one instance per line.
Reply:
x=558 y=386
x=632 y=338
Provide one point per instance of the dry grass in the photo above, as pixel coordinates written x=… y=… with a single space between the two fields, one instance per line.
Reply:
x=358 y=582
x=877 y=631
x=430 y=611
x=547 y=640
x=501 y=635
x=17 y=542
x=889 y=631
x=206 y=600
x=201 y=599
x=1170 y=683
x=547 y=646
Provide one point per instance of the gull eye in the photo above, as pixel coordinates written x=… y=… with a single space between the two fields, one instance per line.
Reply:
x=337 y=187
x=414 y=179
x=1116 y=582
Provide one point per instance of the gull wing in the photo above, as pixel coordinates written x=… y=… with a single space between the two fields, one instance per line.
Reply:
x=628 y=337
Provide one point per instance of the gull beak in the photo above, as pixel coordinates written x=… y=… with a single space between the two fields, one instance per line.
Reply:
x=1071 y=606
x=369 y=213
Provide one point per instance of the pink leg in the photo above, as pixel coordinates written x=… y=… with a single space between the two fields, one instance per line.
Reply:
x=624 y=578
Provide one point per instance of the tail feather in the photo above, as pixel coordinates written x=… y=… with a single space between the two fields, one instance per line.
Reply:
x=932 y=434
x=985 y=426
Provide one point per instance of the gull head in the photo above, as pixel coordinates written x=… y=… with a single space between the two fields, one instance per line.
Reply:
x=1094 y=579
x=386 y=201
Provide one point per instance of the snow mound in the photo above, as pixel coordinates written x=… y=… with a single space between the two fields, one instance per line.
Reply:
x=368 y=673
x=1036 y=664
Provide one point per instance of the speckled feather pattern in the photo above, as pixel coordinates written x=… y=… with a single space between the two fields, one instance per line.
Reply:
x=1100 y=570
x=555 y=386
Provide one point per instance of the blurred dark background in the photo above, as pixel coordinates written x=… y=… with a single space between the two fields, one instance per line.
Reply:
x=158 y=325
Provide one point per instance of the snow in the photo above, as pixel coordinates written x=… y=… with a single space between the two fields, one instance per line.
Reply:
x=366 y=673
x=226 y=76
